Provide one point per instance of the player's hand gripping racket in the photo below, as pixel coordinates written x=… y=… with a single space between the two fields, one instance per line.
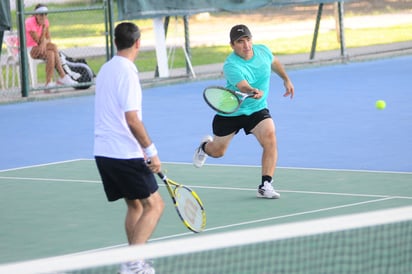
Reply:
x=187 y=203
x=224 y=100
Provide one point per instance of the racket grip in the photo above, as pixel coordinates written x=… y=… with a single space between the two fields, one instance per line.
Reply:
x=160 y=174
x=253 y=92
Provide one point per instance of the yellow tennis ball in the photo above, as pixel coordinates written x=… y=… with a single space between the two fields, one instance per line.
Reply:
x=380 y=104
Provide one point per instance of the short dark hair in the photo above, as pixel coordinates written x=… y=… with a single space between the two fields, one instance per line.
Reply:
x=39 y=6
x=125 y=35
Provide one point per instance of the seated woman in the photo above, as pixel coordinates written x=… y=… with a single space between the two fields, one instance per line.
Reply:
x=40 y=46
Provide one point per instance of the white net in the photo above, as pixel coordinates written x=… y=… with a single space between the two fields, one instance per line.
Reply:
x=373 y=242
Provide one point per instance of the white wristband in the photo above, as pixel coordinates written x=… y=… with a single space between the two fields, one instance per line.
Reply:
x=150 y=151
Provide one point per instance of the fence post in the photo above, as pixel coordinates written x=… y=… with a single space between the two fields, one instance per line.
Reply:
x=341 y=31
x=315 y=34
x=111 y=29
x=23 y=56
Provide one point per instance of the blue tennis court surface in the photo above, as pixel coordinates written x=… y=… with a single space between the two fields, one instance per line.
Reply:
x=331 y=123
x=338 y=155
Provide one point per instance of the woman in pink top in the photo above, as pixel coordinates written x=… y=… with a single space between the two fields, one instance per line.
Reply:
x=40 y=46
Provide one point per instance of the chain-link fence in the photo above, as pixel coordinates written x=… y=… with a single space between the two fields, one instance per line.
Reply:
x=81 y=33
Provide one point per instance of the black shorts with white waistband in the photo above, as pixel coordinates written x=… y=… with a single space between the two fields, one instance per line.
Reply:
x=126 y=178
x=226 y=125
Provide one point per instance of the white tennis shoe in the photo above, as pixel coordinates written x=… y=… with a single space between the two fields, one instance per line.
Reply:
x=50 y=87
x=199 y=158
x=137 y=267
x=66 y=80
x=267 y=191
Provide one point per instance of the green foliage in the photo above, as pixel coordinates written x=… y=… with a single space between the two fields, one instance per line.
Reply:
x=353 y=38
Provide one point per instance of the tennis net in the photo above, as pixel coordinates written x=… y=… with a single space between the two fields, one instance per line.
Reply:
x=372 y=242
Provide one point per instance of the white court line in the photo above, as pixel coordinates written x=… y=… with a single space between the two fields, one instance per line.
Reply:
x=307 y=192
x=300 y=168
x=299 y=214
x=349 y=170
x=229 y=165
x=55 y=180
x=46 y=164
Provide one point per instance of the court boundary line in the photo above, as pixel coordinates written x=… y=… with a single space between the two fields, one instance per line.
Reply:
x=230 y=165
x=44 y=164
x=302 y=168
x=49 y=179
x=300 y=213
x=217 y=188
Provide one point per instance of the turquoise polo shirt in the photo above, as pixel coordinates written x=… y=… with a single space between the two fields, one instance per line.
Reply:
x=256 y=71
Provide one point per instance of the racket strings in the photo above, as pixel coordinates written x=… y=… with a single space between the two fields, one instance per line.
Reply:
x=221 y=100
x=190 y=208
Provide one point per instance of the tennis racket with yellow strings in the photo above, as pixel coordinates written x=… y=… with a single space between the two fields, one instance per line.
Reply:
x=187 y=203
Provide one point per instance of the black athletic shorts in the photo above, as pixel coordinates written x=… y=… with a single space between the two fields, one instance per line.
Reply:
x=126 y=178
x=225 y=125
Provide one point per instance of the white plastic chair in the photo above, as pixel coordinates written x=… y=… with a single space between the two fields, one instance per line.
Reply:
x=12 y=59
x=33 y=63
x=12 y=41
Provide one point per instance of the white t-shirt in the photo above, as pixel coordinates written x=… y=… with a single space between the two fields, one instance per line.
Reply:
x=118 y=90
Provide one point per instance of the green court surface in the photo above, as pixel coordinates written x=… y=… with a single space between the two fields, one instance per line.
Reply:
x=60 y=208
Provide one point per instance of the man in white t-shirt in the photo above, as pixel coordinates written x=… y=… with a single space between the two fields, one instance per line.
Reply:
x=122 y=146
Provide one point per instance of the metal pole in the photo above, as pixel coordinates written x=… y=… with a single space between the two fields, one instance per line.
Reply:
x=6 y=21
x=166 y=28
x=341 y=31
x=111 y=28
x=106 y=29
x=315 y=34
x=23 y=50
x=1 y=39
x=187 y=45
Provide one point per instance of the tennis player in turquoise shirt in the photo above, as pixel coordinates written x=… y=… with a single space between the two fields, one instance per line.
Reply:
x=256 y=71
x=248 y=69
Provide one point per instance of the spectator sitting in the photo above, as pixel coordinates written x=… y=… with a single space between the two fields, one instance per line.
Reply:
x=40 y=46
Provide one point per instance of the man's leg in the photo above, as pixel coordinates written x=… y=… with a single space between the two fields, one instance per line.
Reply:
x=214 y=147
x=142 y=217
x=217 y=148
x=266 y=135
